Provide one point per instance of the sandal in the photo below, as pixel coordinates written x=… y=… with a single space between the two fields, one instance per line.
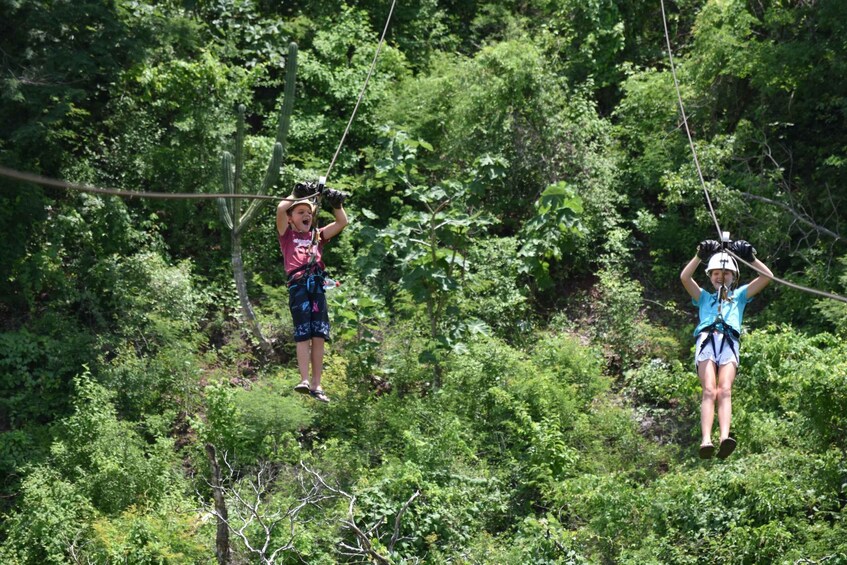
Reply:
x=302 y=387
x=706 y=451
x=318 y=394
x=726 y=448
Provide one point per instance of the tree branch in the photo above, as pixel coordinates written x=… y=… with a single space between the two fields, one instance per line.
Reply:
x=803 y=218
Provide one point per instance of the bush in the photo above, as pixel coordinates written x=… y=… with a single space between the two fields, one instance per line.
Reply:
x=114 y=466
x=452 y=508
x=491 y=292
x=662 y=383
x=37 y=366
x=572 y=364
x=618 y=309
x=52 y=515
x=170 y=534
x=259 y=422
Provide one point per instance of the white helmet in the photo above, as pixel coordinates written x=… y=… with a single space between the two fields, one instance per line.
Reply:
x=722 y=260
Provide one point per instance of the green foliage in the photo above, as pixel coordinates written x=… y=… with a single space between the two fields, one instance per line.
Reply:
x=836 y=312
x=112 y=462
x=663 y=384
x=550 y=234
x=618 y=310
x=572 y=364
x=36 y=370
x=429 y=242
x=592 y=36
x=558 y=119
x=492 y=290
x=160 y=381
x=543 y=540
x=171 y=534
x=170 y=121
x=333 y=69
x=505 y=103
x=51 y=517
x=161 y=299
x=452 y=507
x=357 y=313
x=99 y=465
x=260 y=421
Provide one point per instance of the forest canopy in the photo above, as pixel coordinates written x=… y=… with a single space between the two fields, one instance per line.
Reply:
x=511 y=370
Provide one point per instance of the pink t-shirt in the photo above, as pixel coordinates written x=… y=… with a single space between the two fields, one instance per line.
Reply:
x=296 y=249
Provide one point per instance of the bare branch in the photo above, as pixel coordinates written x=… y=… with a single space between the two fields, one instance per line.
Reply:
x=222 y=549
x=364 y=535
x=396 y=536
x=801 y=217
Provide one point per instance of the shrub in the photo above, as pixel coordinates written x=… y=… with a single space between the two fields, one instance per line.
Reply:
x=51 y=515
x=114 y=466
x=491 y=291
x=259 y=422
x=618 y=309
x=171 y=534
x=572 y=364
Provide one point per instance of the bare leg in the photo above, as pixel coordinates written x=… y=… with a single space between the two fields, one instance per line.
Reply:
x=706 y=372
x=726 y=376
x=317 y=361
x=303 y=349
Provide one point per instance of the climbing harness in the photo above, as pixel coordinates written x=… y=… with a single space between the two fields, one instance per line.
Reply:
x=730 y=336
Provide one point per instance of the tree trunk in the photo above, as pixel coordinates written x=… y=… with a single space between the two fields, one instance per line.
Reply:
x=246 y=307
x=222 y=537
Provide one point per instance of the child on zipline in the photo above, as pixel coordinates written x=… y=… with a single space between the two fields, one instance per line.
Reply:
x=721 y=313
x=302 y=245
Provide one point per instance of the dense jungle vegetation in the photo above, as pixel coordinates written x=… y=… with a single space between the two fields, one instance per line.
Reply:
x=511 y=371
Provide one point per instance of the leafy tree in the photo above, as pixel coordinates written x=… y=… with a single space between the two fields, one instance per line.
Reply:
x=430 y=241
x=550 y=234
x=98 y=466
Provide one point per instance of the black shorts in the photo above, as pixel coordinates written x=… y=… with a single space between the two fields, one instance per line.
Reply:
x=307 y=302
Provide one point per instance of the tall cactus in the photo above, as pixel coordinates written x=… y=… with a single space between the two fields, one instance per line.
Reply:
x=230 y=208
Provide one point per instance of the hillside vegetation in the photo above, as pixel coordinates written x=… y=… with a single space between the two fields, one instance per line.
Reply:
x=511 y=374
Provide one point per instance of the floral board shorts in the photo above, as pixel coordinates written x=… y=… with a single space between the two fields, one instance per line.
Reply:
x=307 y=302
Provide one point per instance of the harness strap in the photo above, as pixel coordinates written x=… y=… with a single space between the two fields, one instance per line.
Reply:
x=312 y=265
x=310 y=271
x=726 y=330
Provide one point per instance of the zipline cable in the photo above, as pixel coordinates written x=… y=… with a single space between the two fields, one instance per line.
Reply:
x=685 y=123
x=362 y=92
x=703 y=182
x=55 y=183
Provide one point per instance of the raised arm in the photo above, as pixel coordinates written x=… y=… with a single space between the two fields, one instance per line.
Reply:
x=705 y=249
x=281 y=216
x=747 y=252
x=333 y=229
x=335 y=198
x=687 y=278
x=759 y=283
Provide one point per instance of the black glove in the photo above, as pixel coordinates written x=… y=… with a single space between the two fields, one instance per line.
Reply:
x=707 y=248
x=744 y=250
x=302 y=190
x=335 y=198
